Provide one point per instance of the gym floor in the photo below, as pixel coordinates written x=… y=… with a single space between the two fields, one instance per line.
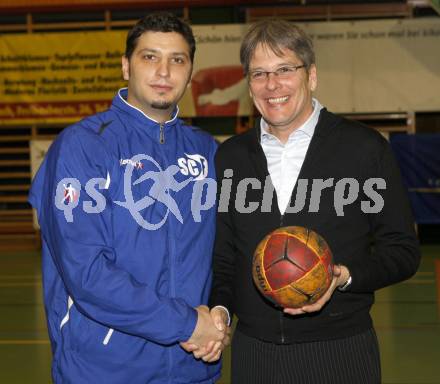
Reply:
x=406 y=316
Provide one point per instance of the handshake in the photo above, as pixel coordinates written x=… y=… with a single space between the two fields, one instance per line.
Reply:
x=211 y=335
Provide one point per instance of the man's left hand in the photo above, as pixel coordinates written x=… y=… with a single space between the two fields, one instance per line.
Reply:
x=340 y=276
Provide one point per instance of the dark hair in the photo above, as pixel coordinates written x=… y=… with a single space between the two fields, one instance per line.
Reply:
x=160 y=22
x=277 y=35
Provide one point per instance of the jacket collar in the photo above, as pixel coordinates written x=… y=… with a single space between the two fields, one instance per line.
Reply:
x=120 y=102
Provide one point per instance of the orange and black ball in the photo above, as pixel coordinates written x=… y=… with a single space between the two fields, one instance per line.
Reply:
x=292 y=267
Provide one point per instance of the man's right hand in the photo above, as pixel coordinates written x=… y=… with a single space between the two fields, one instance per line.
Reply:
x=205 y=333
x=214 y=349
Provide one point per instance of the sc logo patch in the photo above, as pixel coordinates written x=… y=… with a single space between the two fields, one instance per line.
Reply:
x=193 y=165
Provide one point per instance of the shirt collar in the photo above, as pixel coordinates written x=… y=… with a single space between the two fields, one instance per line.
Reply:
x=307 y=128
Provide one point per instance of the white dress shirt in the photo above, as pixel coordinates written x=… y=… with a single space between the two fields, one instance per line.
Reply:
x=284 y=161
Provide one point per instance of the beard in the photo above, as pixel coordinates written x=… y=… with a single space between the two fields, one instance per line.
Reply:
x=161 y=105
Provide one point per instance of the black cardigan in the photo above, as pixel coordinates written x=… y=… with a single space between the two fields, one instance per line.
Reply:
x=379 y=249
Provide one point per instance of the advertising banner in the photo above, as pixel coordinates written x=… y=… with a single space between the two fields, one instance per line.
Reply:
x=363 y=66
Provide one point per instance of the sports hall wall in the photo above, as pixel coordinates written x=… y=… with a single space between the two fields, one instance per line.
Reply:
x=383 y=70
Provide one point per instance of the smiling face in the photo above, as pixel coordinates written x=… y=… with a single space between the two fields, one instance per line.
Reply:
x=285 y=102
x=158 y=72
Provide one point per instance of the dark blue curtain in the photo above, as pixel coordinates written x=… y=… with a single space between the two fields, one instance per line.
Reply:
x=419 y=160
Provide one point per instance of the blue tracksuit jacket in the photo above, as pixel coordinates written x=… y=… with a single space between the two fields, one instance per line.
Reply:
x=127 y=222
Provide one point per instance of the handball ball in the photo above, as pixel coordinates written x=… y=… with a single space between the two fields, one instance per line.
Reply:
x=292 y=267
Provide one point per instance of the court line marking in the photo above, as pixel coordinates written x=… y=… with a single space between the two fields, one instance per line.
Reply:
x=10 y=285
x=419 y=281
x=405 y=302
x=24 y=342
x=425 y=190
x=426 y=327
x=17 y=277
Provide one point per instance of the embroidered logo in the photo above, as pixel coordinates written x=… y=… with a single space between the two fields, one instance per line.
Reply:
x=193 y=165
x=134 y=164
x=70 y=194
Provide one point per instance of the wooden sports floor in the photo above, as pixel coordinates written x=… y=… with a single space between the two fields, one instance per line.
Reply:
x=406 y=316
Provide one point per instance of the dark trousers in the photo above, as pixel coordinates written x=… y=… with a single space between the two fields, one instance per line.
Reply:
x=352 y=360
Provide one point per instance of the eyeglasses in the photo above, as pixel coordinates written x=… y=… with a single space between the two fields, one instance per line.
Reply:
x=283 y=72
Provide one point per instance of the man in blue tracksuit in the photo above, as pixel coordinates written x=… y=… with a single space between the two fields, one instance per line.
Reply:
x=125 y=201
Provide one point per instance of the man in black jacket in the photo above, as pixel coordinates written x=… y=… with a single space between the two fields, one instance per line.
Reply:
x=330 y=175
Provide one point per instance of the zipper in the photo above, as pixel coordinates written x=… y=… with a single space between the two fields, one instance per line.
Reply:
x=173 y=291
x=161 y=133
x=171 y=253
x=283 y=339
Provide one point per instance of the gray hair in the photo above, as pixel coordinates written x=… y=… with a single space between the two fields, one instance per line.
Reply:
x=276 y=35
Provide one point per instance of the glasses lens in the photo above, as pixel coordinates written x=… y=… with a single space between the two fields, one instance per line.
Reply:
x=257 y=76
